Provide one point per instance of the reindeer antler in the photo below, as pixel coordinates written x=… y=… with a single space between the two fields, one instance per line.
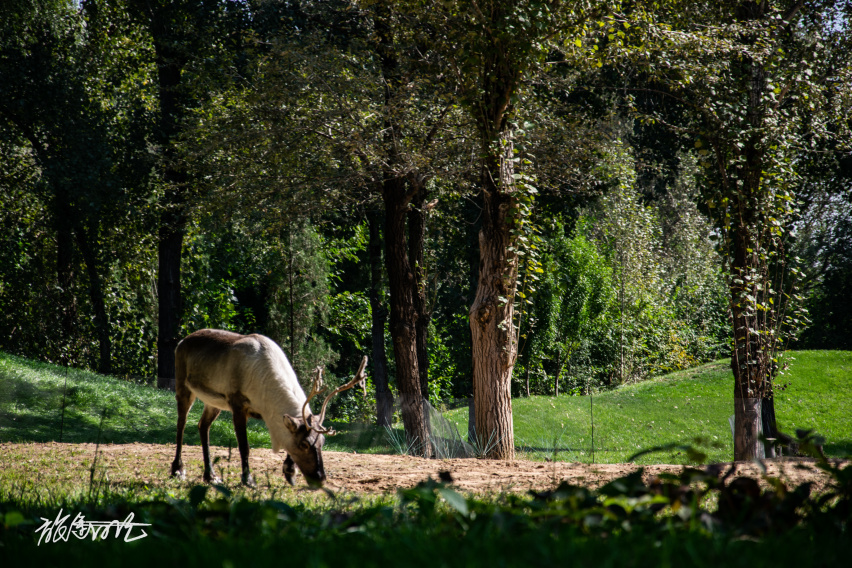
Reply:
x=317 y=387
x=359 y=379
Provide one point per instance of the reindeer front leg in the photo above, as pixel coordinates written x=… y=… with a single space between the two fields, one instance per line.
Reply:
x=289 y=469
x=240 y=419
x=207 y=417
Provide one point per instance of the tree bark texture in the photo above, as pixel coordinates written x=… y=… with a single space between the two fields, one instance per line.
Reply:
x=170 y=58
x=768 y=425
x=96 y=296
x=169 y=251
x=416 y=237
x=403 y=316
x=379 y=314
x=751 y=356
x=65 y=269
x=747 y=438
x=491 y=315
x=401 y=281
x=494 y=345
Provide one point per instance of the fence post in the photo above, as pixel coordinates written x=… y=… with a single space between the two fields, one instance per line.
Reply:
x=592 y=414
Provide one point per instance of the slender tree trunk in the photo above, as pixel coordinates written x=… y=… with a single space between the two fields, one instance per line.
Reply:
x=750 y=358
x=379 y=314
x=491 y=315
x=621 y=310
x=96 y=296
x=401 y=280
x=169 y=251
x=416 y=237
x=403 y=316
x=170 y=62
x=292 y=309
x=65 y=271
x=556 y=384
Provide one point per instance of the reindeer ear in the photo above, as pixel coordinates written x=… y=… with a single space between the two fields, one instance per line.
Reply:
x=291 y=423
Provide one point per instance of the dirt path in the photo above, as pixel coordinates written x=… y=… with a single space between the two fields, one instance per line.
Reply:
x=147 y=464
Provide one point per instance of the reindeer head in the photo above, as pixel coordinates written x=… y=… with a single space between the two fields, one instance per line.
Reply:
x=308 y=432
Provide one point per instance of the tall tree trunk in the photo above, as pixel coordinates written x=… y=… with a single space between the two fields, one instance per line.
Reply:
x=491 y=315
x=65 y=271
x=170 y=61
x=416 y=237
x=379 y=314
x=96 y=296
x=750 y=359
x=291 y=306
x=401 y=281
x=403 y=316
x=170 y=249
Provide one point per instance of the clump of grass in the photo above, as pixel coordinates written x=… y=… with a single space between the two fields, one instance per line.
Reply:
x=400 y=444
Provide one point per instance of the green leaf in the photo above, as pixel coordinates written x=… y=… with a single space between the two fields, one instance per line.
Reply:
x=197 y=494
x=455 y=500
x=13 y=519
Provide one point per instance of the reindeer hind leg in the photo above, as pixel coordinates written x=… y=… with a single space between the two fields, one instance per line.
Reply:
x=207 y=417
x=185 y=398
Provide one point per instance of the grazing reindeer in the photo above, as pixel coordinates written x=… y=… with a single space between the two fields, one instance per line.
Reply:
x=250 y=376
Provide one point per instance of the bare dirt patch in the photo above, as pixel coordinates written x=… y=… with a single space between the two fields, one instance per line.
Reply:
x=148 y=465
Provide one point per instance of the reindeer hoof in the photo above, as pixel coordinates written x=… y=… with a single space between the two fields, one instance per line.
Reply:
x=248 y=481
x=289 y=473
x=211 y=478
x=177 y=469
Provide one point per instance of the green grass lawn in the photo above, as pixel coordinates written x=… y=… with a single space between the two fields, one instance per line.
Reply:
x=677 y=408
x=680 y=408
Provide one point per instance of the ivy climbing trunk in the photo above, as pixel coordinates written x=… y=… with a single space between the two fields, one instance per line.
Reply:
x=749 y=362
x=750 y=356
x=750 y=193
x=491 y=315
x=416 y=237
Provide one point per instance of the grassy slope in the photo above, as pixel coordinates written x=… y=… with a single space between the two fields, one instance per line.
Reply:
x=675 y=408
x=31 y=399
x=680 y=407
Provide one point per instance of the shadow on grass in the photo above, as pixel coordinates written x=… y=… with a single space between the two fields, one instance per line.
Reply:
x=840 y=448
